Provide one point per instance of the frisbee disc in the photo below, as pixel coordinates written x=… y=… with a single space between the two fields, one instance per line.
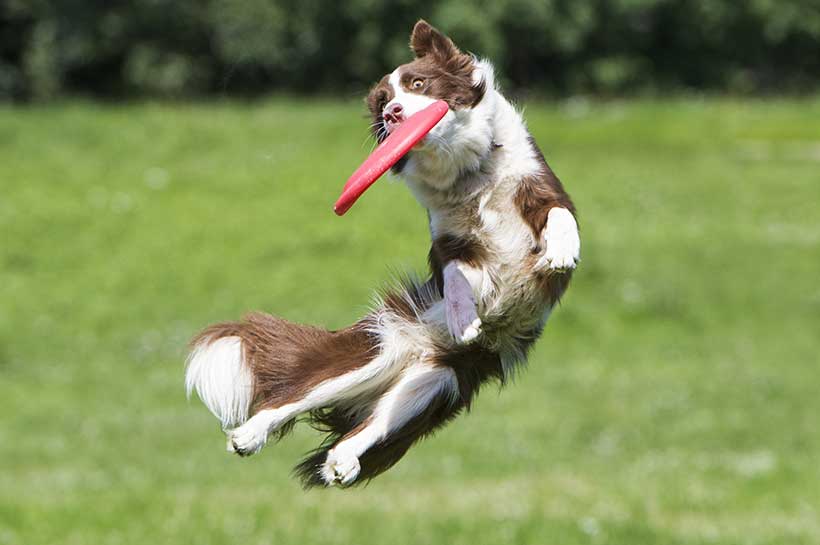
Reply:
x=388 y=153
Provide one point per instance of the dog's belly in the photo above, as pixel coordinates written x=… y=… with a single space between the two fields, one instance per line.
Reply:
x=510 y=300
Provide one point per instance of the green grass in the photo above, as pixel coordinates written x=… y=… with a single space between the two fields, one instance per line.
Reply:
x=673 y=398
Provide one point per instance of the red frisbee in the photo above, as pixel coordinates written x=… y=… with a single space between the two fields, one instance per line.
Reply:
x=388 y=153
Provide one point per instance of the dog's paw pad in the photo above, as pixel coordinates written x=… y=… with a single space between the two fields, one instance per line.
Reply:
x=340 y=468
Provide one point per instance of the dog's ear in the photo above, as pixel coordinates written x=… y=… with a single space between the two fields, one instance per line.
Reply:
x=426 y=40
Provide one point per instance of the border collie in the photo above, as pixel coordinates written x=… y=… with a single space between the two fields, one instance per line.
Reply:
x=504 y=245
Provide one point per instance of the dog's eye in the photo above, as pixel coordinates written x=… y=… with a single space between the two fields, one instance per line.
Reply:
x=418 y=83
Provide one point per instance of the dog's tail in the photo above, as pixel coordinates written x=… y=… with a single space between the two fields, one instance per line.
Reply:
x=217 y=370
x=234 y=366
x=262 y=361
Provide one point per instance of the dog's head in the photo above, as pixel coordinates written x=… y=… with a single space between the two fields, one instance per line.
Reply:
x=440 y=71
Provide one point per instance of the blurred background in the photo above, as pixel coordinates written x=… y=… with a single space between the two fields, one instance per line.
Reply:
x=252 y=47
x=165 y=165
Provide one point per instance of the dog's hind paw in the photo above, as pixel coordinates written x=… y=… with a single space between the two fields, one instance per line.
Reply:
x=340 y=468
x=249 y=438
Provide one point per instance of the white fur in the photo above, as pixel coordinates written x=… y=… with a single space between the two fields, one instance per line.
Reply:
x=417 y=387
x=224 y=383
x=563 y=243
x=341 y=466
x=250 y=437
x=508 y=232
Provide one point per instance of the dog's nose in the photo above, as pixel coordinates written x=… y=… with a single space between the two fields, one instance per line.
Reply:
x=394 y=113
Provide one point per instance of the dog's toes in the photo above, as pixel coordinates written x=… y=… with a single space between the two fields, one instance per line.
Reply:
x=557 y=261
x=562 y=263
x=471 y=332
x=247 y=439
x=340 y=468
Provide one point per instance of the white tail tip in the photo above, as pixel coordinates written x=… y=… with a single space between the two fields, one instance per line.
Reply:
x=218 y=372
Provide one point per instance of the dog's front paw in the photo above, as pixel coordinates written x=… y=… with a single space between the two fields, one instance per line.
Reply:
x=340 y=467
x=563 y=243
x=249 y=438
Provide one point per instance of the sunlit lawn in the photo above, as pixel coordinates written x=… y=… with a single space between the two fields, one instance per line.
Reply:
x=673 y=398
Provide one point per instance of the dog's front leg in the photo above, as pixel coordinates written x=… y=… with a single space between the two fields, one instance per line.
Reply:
x=563 y=244
x=418 y=387
x=459 y=304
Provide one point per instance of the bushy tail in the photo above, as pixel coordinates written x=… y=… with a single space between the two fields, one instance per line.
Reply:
x=263 y=361
x=230 y=362
x=217 y=370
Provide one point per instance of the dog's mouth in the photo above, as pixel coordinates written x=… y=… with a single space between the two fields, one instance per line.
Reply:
x=393 y=116
x=391 y=123
x=400 y=139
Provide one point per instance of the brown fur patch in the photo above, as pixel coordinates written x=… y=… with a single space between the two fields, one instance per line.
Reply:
x=553 y=284
x=446 y=72
x=535 y=197
x=451 y=82
x=447 y=248
x=376 y=100
x=289 y=359
x=538 y=194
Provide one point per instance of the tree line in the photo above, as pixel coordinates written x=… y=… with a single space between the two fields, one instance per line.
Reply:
x=181 y=48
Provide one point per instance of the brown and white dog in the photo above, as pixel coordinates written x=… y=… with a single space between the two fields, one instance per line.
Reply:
x=504 y=244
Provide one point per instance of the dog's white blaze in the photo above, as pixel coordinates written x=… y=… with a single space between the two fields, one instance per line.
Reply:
x=222 y=380
x=411 y=102
x=416 y=388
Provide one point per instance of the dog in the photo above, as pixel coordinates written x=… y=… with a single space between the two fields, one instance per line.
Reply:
x=505 y=243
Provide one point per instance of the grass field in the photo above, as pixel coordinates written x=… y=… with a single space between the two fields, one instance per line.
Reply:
x=672 y=400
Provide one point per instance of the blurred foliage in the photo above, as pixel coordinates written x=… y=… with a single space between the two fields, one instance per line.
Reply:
x=184 y=47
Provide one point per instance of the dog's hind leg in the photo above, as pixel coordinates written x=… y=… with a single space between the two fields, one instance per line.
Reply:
x=253 y=434
x=258 y=374
x=419 y=388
